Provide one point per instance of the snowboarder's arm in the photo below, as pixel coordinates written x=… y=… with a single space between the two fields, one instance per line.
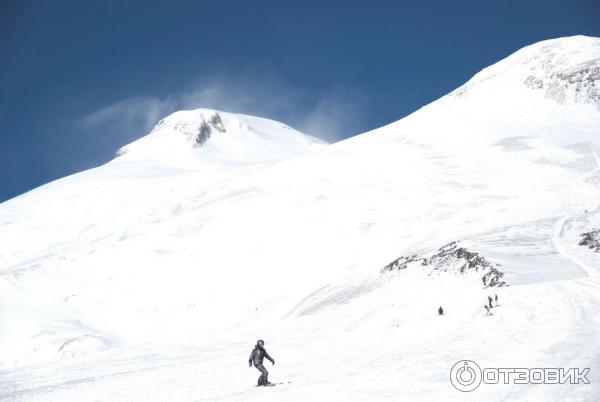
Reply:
x=269 y=358
x=252 y=355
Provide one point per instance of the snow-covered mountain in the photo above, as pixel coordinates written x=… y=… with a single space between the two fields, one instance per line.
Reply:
x=149 y=278
x=192 y=137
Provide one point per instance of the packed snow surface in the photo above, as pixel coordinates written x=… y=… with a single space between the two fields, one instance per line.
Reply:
x=151 y=277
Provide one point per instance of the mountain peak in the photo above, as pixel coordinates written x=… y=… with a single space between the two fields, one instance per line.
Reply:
x=206 y=135
x=566 y=70
x=197 y=126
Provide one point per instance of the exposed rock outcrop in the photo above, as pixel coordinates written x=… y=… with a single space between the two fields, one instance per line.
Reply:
x=452 y=258
x=591 y=240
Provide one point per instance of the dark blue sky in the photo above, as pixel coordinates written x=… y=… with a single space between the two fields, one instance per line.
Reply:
x=79 y=79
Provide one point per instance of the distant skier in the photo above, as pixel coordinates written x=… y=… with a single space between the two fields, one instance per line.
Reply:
x=487 y=309
x=440 y=311
x=256 y=357
x=496 y=299
x=490 y=301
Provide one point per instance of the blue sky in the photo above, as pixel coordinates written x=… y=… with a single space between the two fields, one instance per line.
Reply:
x=79 y=79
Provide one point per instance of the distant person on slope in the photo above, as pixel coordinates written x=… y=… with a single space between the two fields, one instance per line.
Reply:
x=496 y=299
x=490 y=301
x=440 y=311
x=487 y=309
x=256 y=357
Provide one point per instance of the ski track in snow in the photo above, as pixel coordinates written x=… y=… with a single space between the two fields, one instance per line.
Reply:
x=557 y=239
x=583 y=299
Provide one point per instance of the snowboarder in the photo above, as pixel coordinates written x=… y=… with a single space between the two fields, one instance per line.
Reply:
x=440 y=311
x=487 y=309
x=256 y=357
x=490 y=301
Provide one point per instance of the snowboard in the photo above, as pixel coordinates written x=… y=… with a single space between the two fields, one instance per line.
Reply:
x=274 y=383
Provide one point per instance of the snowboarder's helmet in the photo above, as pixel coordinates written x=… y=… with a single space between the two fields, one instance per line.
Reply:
x=260 y=343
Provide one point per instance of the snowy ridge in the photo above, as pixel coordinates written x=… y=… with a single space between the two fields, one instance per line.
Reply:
x=566 y=70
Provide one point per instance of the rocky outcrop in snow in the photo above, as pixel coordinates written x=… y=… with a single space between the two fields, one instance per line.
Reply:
x=591 y=240
x=577 y=84
x=455 y=259
x=205 y=129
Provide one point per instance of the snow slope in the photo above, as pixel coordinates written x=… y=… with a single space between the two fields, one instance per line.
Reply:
x=150 y=278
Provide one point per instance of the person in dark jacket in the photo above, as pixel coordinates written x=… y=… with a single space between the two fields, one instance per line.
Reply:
x=258 y=354
x=440 y=311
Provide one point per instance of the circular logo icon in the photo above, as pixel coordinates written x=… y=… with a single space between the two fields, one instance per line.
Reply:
x=465 y=375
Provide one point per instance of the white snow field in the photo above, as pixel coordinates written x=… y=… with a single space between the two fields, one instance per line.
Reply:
x=150 y=278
